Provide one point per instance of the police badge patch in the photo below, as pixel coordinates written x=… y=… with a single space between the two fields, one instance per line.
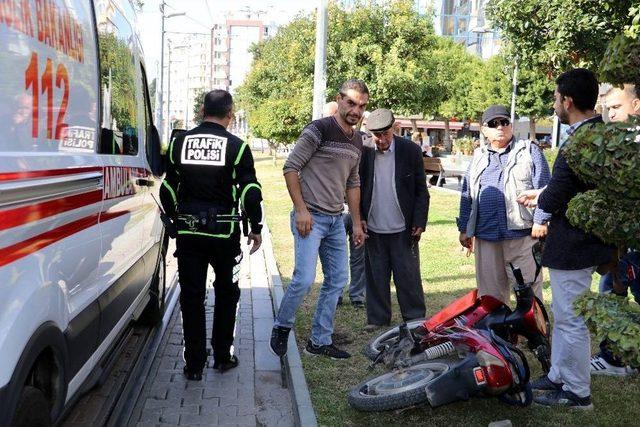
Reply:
x=204 y=149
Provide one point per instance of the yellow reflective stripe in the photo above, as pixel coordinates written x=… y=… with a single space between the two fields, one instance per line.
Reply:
x=234 y=191
x=197 y=233
x=171 y=151
x=237 y=161
x=244 y=145
x=173 y=194
x=244 y=192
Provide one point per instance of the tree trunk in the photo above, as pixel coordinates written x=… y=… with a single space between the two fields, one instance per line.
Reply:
x=273 y=150
x=447 y=136
x=532 y=129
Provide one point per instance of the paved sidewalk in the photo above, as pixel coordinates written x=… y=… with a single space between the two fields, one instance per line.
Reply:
x=249 y=395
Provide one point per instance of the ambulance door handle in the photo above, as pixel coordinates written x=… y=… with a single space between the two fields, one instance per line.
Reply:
x=145 y=182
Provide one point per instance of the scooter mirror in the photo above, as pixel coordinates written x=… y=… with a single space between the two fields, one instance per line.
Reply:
x=537 y=250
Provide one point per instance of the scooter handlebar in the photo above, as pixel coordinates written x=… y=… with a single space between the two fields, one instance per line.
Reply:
x=517 y=273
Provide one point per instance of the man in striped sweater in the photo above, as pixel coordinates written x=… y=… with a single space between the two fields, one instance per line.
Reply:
x=321 y=168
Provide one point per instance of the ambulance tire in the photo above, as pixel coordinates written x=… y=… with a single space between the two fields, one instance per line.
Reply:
x=32 y=410
x=153 y=312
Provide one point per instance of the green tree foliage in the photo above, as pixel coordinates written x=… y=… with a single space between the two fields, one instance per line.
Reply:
x=621 y=63
x=278 y=89
x=534 y=96
x=491 y=85
x=391 y=47
x=615 y=319
x=608 y=156
x=198 y=102
x=117 y=67
x=555 y=35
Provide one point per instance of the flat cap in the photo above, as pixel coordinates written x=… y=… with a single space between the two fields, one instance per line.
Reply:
x=380 y=120
x=495 y=112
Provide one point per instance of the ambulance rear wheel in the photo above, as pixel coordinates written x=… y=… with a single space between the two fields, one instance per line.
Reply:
x=33 y=409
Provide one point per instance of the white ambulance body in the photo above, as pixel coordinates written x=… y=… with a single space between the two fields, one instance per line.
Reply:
x=81 y=242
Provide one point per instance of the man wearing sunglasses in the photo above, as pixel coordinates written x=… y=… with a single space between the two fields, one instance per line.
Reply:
x=491 y=222
x=322 y=167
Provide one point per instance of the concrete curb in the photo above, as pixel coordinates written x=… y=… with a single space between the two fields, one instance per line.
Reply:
x=304 y=414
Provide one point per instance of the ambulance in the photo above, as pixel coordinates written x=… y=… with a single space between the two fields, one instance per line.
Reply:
x=82 y=245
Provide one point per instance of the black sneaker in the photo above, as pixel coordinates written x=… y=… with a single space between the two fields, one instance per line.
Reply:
x=565 y=399
x=357 y=304
x=225 y=366
x=279 y=339
x=192 y=375
x=340 y=300
x=544 y=384
x=330 y=351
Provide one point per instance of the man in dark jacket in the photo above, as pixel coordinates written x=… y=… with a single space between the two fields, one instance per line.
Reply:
x=571 y=254
x=394 y=208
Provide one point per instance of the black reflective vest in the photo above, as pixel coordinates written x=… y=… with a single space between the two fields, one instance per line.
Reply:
x=208 y=167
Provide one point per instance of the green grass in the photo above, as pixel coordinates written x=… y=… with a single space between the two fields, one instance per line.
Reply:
x=446 y=274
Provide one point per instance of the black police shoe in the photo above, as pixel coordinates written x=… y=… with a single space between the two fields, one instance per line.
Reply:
x=225 y=366
x=195 y=375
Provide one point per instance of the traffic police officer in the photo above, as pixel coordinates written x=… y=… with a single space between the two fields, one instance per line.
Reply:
x=209 y=171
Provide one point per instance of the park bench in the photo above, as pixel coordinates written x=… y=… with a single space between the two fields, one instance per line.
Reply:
x=444 y=169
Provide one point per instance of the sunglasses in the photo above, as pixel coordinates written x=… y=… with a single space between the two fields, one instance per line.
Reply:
x=497 y=122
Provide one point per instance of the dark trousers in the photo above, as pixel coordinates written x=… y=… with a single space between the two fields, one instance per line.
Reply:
x=397 y=253
x=195 y=254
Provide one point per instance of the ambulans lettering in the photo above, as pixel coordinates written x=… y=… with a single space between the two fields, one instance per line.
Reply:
x=204 y=149
x=78 y=139
x=118 y=182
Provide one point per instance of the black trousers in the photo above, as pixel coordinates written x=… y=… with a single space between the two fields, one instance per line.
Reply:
x=397 y=253
x=195 y=254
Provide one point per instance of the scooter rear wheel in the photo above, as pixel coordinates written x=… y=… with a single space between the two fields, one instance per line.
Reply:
x=396 y=389
x=389 y=337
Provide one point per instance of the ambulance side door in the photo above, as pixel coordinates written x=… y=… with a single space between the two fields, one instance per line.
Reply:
x=121 y=273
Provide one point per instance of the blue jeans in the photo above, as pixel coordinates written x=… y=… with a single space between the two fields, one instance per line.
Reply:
x=356 y=263
x=328 y=240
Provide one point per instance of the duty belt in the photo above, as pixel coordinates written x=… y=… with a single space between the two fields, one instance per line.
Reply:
x=195 y=221
x=210 y=221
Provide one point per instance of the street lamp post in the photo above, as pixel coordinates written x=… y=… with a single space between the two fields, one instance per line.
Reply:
x=320 y=69
x=160 y=98
x=169 y=124
x=514 y=85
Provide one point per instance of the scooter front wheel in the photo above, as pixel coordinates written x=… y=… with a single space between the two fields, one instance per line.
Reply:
x=396 y=389
x=389 y=337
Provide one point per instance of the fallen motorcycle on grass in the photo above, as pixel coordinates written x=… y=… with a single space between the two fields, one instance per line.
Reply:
x=468 y=348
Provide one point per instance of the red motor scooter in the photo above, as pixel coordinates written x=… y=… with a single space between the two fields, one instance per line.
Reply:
x=466 y=349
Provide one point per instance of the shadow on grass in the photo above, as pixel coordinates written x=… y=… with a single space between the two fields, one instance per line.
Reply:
x=441 y=222
x=437 y=279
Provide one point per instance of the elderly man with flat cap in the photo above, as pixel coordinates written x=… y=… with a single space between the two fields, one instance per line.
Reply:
x=394 y=208
x=504 y=230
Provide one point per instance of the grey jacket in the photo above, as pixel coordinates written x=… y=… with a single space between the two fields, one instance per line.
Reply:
x=518 y=177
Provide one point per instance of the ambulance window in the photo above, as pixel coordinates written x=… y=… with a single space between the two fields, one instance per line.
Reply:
x=49 y=84
x=119 y=124
x=145 y=99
